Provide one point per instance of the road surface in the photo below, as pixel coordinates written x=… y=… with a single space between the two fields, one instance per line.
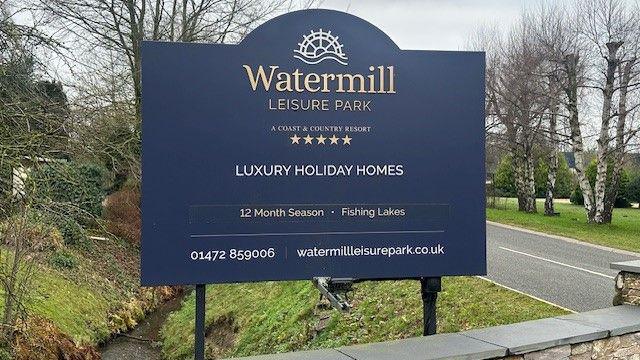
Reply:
x=567 y=273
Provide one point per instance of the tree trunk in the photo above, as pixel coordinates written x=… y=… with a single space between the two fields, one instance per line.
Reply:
x=551 y=183
x=549 y=209
x=602 y=154
x=519 y=175
x=553 y=161
x=524 y=172
x=530 y=185
x=577 y=144
x=619 y=150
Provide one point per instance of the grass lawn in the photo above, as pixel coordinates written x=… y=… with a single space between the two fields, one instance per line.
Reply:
x=80 y=301
x=250 y=319
x=76 y=309
x=622 y=233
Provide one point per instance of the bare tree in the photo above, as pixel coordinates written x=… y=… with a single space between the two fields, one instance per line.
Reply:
x=516 y=100
x=557 y=40
x=17 y=269
x=119 y=26
x=554 y=95
x=107 y=35
x=33 y=113
x=592 y=47
x=611 y=29
x=628 y=71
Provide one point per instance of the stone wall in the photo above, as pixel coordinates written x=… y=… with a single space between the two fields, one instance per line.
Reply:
x=627 y=288
x=625 y=347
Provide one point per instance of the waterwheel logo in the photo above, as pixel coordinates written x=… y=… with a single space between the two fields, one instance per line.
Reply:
x=318 y=46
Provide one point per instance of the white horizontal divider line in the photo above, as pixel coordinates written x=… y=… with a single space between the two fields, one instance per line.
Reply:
x=320 y=233
x=558 y=263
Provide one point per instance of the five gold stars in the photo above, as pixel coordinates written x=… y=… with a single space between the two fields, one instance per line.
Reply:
x=321 y=139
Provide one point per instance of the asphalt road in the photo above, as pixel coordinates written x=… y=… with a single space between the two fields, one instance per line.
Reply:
x=569 y=274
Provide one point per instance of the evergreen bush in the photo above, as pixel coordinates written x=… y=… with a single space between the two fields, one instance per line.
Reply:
x=70 y=189
x=633 y=188
x=504 y=179
x=63 y=259
x=592 y=172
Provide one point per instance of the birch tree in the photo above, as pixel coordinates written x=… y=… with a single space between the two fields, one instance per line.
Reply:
x=554 y=97
x=611 y=29
x=557 y=39
x=627 y=101
x=516 y=99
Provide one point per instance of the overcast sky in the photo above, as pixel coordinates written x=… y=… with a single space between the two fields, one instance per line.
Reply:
x=432 y=24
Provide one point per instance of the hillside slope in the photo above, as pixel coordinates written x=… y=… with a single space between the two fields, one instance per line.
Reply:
x=81 y=296
x=250 y=319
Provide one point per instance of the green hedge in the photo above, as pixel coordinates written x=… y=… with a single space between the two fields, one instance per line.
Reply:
x=75 y=189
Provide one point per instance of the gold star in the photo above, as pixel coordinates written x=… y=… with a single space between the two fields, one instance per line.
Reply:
x=308 y=139
x=321 y=139
x=295 y=139
x=334 y=139
x=346 y=140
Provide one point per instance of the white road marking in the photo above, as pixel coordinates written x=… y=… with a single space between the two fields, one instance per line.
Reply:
x=525 y=294
x=558 y=263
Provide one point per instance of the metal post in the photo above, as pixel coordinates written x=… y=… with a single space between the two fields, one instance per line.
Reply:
x=200 y=328
x=429 y=287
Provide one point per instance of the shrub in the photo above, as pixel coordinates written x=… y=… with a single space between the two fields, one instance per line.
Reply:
x=578 y=199
x=122 y=213
x=72 y=233
x=564 y=179
x=592 y=172
x=63 y=259
x=37 y=232
x=576 y=196
x=76 y=189
x=622 y=202
x=633 y=188
x=504 y=180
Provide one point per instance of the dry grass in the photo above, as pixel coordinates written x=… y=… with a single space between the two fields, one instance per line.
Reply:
x=122 y=213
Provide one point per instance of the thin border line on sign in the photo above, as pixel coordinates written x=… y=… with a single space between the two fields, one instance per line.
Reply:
x=320 y=233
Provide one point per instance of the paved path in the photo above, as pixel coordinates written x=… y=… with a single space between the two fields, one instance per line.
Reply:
x=573 y=275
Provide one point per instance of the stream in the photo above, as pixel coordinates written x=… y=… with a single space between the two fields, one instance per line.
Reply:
x=143 y=342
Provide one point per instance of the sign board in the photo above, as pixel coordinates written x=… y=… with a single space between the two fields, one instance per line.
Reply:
x=315 y=147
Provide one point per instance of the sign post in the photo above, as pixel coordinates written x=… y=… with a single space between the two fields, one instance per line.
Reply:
x=314 y=148
x=200 y=327
x=429 y=288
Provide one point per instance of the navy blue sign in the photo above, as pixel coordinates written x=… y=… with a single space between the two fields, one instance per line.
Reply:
x=315 y=147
